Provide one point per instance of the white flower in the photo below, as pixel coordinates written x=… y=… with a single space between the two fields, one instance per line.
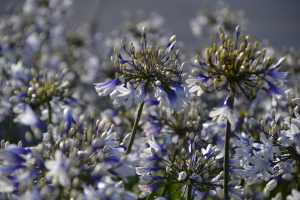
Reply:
x=191 y=81
x=267 y=149
x=271 y=185
x=261 y=165
x=182 y=175
x=162 y=96
x=126 y=94
x=277 y=197
x=224 y=112
x=287 y=138
x=29 y=118
x=295 y=195
x=106 y=87
x=196 y=177
x=60 y=168
x=286 y=168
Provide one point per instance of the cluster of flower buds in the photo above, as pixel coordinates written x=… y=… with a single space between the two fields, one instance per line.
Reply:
x=40 y=88
x=197 y=168
x=156 y=67
x=239 y=66
x=85 y=157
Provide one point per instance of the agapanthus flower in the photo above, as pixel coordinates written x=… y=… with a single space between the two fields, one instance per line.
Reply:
x=224 y=112
x=156 y=68
x=294 y=196
x=271 y=158
x=130 y=93
x=67 y=158
x=243 y=69
x=29 y=118
x=198 y=168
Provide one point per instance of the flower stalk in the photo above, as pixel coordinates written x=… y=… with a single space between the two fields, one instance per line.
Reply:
x=136 y=123
x=227 y=148
x=189 y=193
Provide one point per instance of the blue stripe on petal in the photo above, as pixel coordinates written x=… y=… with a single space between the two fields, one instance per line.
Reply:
x=278 y=75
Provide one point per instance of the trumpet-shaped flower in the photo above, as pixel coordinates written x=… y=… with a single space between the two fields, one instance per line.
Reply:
x=224 y=112
x=126 y=94
x=266 y=149
x=106 y=88
x=29 y=118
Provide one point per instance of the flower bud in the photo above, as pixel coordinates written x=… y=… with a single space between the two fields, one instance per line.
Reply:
x=116 y=63
x=216 y=82
x=266 y=192
x=263 y=52
x=132 y=48
x=273 y=113
x=223 y=78
x=157 y=83
x=173 y=38
x=168 y=170
x=262 y=123
x=197 y=139
x=7 y=144
x=183 y=151
x=123 y=43
x=144 y=31
x=122 y=79
x=191 y=136
x=207 y=53
x=238 y=29
x=215 y=46
x=116 y=50
x=220 y=193
x=205 y=176
x=201 y=85
x=183 y=66
x=222 y=37
x=220 y=29
x=28 y=137
x=242 y=46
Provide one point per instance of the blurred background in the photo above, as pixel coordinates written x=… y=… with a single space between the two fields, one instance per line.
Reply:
x=274 y=21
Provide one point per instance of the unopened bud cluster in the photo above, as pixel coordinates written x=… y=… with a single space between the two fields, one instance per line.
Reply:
x=40 y=88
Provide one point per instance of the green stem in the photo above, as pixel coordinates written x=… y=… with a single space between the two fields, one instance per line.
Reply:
x=189 y=193
x=136 y=123
x=151 y=196
x=49 y=112
x=227 y=147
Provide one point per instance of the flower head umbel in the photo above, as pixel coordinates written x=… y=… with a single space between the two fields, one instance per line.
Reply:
x=151 y=67
x=272 y=156
x=242 y=69
x=198 y=168
x=79 y=155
